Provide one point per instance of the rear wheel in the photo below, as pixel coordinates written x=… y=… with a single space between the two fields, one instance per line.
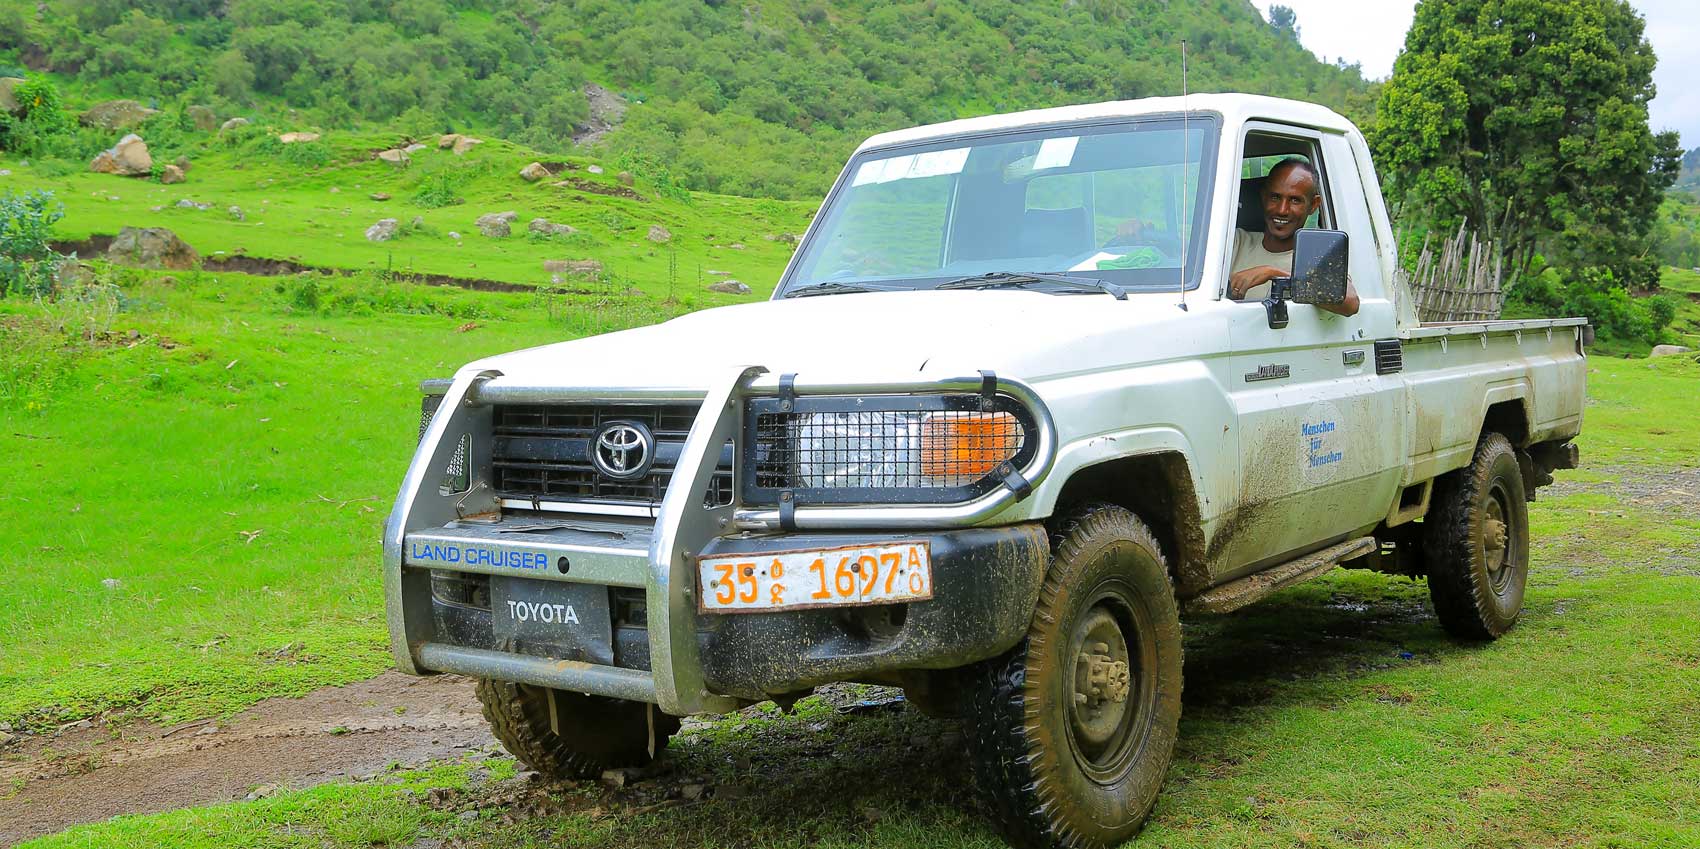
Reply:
x=1476 y=543
x=588 y=734
x=1071 y=732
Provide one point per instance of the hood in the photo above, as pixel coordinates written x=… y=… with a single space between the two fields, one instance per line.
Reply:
x=874 y=336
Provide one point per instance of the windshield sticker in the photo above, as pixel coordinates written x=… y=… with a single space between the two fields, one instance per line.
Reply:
x=1321 y=442
x=912 y=166
x=1055 y=153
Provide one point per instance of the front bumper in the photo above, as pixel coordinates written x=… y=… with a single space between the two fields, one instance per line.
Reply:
x=985 y=583
x=985 y=579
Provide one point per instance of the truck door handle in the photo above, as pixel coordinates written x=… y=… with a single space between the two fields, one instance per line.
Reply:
x=1354 y=357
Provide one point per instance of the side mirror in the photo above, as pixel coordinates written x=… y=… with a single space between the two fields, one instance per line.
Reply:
x=1319 y=267
x=1319 y=275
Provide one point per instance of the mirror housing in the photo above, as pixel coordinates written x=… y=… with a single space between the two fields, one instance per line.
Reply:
x=1319 y=267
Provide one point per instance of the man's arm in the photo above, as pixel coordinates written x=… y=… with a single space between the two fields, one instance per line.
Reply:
x=1348 y=307
x=1246 y=280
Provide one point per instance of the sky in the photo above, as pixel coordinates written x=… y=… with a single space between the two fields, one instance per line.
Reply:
x=1343 y=29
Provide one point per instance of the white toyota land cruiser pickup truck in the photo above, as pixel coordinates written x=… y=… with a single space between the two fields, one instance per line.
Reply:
x=988 y=442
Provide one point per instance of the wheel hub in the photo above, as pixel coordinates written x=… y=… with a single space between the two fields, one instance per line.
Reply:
x=1494 y=534
x=1102 y=679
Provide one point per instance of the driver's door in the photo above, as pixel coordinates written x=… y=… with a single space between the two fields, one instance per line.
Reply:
x=1309 y=406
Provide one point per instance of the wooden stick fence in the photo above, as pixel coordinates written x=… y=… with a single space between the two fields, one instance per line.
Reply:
x=1460 y=282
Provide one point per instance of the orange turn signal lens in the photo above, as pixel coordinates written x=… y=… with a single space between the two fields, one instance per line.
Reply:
x=960 y=448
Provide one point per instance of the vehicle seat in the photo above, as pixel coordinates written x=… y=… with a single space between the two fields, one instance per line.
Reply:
x=1055 y=232
x=1250 y=217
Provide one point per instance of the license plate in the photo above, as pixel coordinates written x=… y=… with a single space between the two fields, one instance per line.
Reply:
x=573 y=620
x=834 y=577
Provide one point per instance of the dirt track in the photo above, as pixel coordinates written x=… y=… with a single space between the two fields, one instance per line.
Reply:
x=86 y=773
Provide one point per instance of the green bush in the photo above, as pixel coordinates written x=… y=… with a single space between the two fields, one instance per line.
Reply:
x=1593 y=292
x=40 y=119
x=27 y=261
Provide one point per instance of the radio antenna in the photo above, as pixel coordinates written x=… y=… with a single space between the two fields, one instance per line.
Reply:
x=1186 y=148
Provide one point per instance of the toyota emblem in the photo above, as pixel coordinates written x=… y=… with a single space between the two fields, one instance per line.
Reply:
x=623 y=450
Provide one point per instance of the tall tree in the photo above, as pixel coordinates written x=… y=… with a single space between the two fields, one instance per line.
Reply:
x=1528 y=118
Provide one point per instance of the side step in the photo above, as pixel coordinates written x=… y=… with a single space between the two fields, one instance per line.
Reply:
x=1243 y=591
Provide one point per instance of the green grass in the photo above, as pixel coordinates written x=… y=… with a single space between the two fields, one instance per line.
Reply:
x=229 y=467
x=377 y=813
x=312 y=203
x=1684 y=284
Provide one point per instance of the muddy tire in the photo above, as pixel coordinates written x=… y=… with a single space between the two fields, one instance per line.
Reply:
x=596 y=733
x=1476 y=543
x=1071 y=732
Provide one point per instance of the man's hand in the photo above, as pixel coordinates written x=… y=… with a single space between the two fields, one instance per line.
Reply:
x=1244 y=281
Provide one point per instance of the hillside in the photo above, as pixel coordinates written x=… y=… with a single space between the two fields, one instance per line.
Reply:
x=1688 y=179
x=311 y=203
x=743 y=99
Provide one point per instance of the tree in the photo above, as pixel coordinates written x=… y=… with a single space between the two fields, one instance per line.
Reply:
x=1283 y=18
x=1528 y=118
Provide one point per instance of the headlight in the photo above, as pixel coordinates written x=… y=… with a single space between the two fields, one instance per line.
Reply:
x=939 y=449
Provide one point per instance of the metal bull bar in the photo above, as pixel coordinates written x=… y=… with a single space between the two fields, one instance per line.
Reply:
x=684 y=525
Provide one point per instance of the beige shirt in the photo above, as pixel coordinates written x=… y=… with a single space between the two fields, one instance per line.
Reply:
x=1250 y=253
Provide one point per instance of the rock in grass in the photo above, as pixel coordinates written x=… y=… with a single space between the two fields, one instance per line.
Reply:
x=152 y=247
x=380 y=196
x=116 y=115
x=572 y=267
x=128 y=158
x=495 y=224
x=466 y=143
x=1668 y=350
x=111 y=583
x=9 y=103
x=205 y=119
x=594 y=169
x=729 y=287
x=236 y=213
x=296 y=138
x=626 y=179
x=447 y=141
x=394 y=156
x=171 y=174
x=550 y=228
x=232 y=124
x=533 y=172
x=658 y=233
x=414 y=148
x=382 y=231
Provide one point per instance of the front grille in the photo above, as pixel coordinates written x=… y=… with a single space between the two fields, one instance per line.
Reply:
x=542 y=452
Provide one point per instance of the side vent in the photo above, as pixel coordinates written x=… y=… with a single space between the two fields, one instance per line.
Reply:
x=1389 y=356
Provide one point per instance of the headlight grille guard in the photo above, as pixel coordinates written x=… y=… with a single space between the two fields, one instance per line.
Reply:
x=764 y=506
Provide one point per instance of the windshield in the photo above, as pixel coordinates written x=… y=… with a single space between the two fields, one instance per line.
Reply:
x=1117 y=203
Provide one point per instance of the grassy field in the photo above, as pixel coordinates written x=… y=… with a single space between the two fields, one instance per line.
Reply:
x=1684 y=284
x=313 y=201
x=223 y=450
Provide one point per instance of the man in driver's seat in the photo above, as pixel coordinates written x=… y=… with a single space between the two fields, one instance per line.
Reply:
x=1291 y=193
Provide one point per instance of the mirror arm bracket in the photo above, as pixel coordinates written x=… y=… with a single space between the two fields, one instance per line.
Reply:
x=1275 y=306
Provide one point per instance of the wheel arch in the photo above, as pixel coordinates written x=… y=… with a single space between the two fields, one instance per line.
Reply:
x=1508 y=413
x=1157 y=486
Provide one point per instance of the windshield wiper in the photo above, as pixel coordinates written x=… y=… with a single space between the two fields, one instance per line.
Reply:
x=1022 y=279
x=833 y=288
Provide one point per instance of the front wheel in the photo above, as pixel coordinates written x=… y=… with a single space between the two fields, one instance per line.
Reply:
x=1071 y=732
x=578 y=736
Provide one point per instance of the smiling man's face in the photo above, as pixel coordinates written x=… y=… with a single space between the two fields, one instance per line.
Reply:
x=1289 y=197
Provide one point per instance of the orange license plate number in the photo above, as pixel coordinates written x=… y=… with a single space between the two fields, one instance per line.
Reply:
x=838 y=577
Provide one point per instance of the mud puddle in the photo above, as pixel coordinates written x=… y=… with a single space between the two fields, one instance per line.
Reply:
x=93 y=770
